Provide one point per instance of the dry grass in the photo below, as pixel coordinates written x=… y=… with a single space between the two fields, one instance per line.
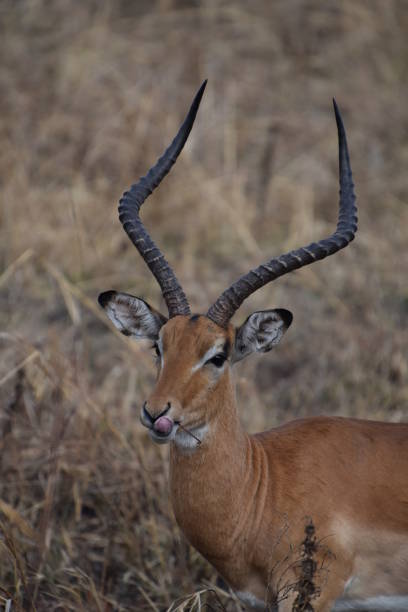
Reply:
x=91 y=93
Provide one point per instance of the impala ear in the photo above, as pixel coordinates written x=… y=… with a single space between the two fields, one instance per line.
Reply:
x=131 y=315
x=260 y=332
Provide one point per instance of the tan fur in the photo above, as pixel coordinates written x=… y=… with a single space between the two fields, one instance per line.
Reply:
x=243 y=500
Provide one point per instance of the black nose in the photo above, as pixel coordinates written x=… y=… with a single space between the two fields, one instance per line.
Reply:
x=151 y=418
x=147 y=414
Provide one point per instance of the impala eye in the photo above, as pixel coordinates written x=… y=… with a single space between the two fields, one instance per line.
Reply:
x=218 y=360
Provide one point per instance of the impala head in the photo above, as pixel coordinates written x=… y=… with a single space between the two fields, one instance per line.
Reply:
x=194 y=356
x=195 y=352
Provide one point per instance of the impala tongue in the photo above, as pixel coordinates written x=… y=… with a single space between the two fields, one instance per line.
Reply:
x=163 y=425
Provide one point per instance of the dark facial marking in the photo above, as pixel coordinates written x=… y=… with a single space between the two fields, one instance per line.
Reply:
x=226 y=348
x=194 y=317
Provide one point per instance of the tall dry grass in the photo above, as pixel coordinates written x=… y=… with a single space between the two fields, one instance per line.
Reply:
x=91 y=93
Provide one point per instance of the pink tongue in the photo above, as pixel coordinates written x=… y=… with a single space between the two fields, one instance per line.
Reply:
x=163 y=425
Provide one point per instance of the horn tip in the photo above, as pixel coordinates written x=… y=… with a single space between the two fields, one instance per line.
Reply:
x=200 y=92
x=337 y=114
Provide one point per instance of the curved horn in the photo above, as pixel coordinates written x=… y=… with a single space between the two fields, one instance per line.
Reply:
x=229 y=301
x=129 y=207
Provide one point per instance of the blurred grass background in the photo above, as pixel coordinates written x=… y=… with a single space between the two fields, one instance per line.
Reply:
x=91 y=93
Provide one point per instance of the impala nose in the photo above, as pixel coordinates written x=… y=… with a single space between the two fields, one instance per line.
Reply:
x=159 y=423
x=146 y=417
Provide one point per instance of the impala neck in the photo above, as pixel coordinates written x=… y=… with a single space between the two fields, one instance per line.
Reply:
x=222 y=435
x=208 y=483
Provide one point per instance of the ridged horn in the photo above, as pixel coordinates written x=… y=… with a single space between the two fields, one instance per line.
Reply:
x=231 y=299
x=129 y=208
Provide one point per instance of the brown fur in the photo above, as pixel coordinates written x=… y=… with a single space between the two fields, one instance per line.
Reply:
x=243 y=500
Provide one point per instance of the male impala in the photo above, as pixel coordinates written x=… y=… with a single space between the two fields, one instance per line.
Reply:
x=243 y=500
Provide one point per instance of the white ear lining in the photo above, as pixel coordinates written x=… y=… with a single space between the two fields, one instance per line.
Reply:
x=261 y=332
x=264 y=331
x=132 y=316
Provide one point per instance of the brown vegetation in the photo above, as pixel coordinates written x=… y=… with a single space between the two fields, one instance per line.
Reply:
x=91 y=93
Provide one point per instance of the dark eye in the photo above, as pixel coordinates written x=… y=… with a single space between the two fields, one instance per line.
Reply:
x=156 y=350
x=218 y=360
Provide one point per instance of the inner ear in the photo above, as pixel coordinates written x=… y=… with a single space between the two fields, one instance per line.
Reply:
x=131 y=315
x=261 y=332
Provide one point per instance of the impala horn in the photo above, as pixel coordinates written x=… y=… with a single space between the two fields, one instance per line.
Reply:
x=231 y=299
x=129 y=207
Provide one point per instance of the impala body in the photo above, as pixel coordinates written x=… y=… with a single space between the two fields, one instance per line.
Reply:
x=243 y=501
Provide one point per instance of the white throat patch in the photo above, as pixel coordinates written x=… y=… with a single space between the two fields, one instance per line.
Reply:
x=186 y=441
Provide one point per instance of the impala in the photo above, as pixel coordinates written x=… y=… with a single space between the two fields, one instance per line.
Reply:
x=243 y=500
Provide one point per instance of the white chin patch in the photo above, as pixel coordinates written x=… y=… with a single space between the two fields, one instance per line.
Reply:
x=163 y=439
x=190 y=441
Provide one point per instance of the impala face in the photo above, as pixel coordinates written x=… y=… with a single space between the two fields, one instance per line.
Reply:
x=194 y=356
